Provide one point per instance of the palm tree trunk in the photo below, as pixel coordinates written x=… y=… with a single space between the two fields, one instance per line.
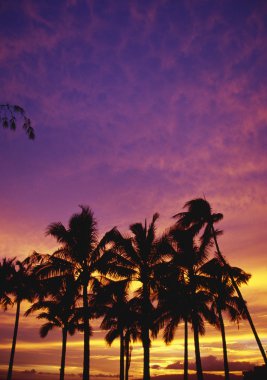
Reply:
x=127 y=354
x=225 y=358
x=185 y=349
x=121 y=355
x=63 y=353
x=145 y=330
x=86 y=336
x=197 y=349
x=240 y=297
x=12 y=355
x=146 y=346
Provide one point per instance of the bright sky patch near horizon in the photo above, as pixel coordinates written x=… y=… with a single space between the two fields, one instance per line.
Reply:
x=138 y=107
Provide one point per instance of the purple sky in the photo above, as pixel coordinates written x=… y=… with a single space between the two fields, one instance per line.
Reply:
x=138 y=106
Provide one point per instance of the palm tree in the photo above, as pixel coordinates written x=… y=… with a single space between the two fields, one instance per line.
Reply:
x=132 y=333
x=174 y=307
x=7 y=271
x=60 y=311
x=200 y=215
x=8 y=113
x=140 y=254
x=81 y=255
x=191 y=287
x=119 y=319
x=24 y=286
x=224 y=299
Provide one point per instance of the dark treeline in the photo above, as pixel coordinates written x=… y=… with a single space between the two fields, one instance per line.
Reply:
x=179 y=277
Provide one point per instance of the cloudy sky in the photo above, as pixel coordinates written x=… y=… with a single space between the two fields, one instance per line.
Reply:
x=138 y=106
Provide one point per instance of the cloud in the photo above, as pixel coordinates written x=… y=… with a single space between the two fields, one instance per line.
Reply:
x=211 y=363
x=155 y=366
x=30 y=372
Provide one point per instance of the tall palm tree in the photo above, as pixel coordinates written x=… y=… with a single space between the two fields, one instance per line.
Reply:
x=200 y=215
x=224 y=299
x=7 y=270
x=80 y=254
x=24 y=286
x=140 y=253
x=60 y=311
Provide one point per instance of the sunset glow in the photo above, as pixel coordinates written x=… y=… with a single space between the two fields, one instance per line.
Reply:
x=138 y=106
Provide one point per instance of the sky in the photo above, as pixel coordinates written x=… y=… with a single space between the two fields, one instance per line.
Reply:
x=138 y=106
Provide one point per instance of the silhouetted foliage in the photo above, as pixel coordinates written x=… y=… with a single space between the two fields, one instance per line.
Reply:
x=60 y=311
x=82 y=256
x=173 y=278
x=224 y=298
x=199 y=215
x=24 y=286
x=141 y=255
x=7 y=270
x=119 y=318
x=10 y=115
x=189 y=287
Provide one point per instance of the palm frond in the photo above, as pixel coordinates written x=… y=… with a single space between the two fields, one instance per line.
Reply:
x=45 y=328
x=111 y=336
x=170 y=329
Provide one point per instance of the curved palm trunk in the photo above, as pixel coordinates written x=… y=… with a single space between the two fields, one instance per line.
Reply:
x=121 y=355
x=63 y=353
x=12 y=355
x=240 y=297
x=225 y=358
x=86 y=336
x=185 y=349
x=197 y=349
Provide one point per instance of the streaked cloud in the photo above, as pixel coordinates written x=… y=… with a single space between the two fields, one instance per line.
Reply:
x=138 y=107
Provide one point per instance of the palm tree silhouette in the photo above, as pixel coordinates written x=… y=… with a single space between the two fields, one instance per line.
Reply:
x=224 y=299
x=119 y=318
x=81 y=255
x=24 y=286
x=140 y=255
x=174 y=307
x=132 y=333
x=60 y=311
x=7 y=270
x=191 y=287
x=200 y=215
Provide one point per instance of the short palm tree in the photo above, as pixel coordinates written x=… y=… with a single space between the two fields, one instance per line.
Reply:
x=119 y=318
x=24 y=286
x=200 y=215
x=174 y=307
x=60 y=311
x=224 y=299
